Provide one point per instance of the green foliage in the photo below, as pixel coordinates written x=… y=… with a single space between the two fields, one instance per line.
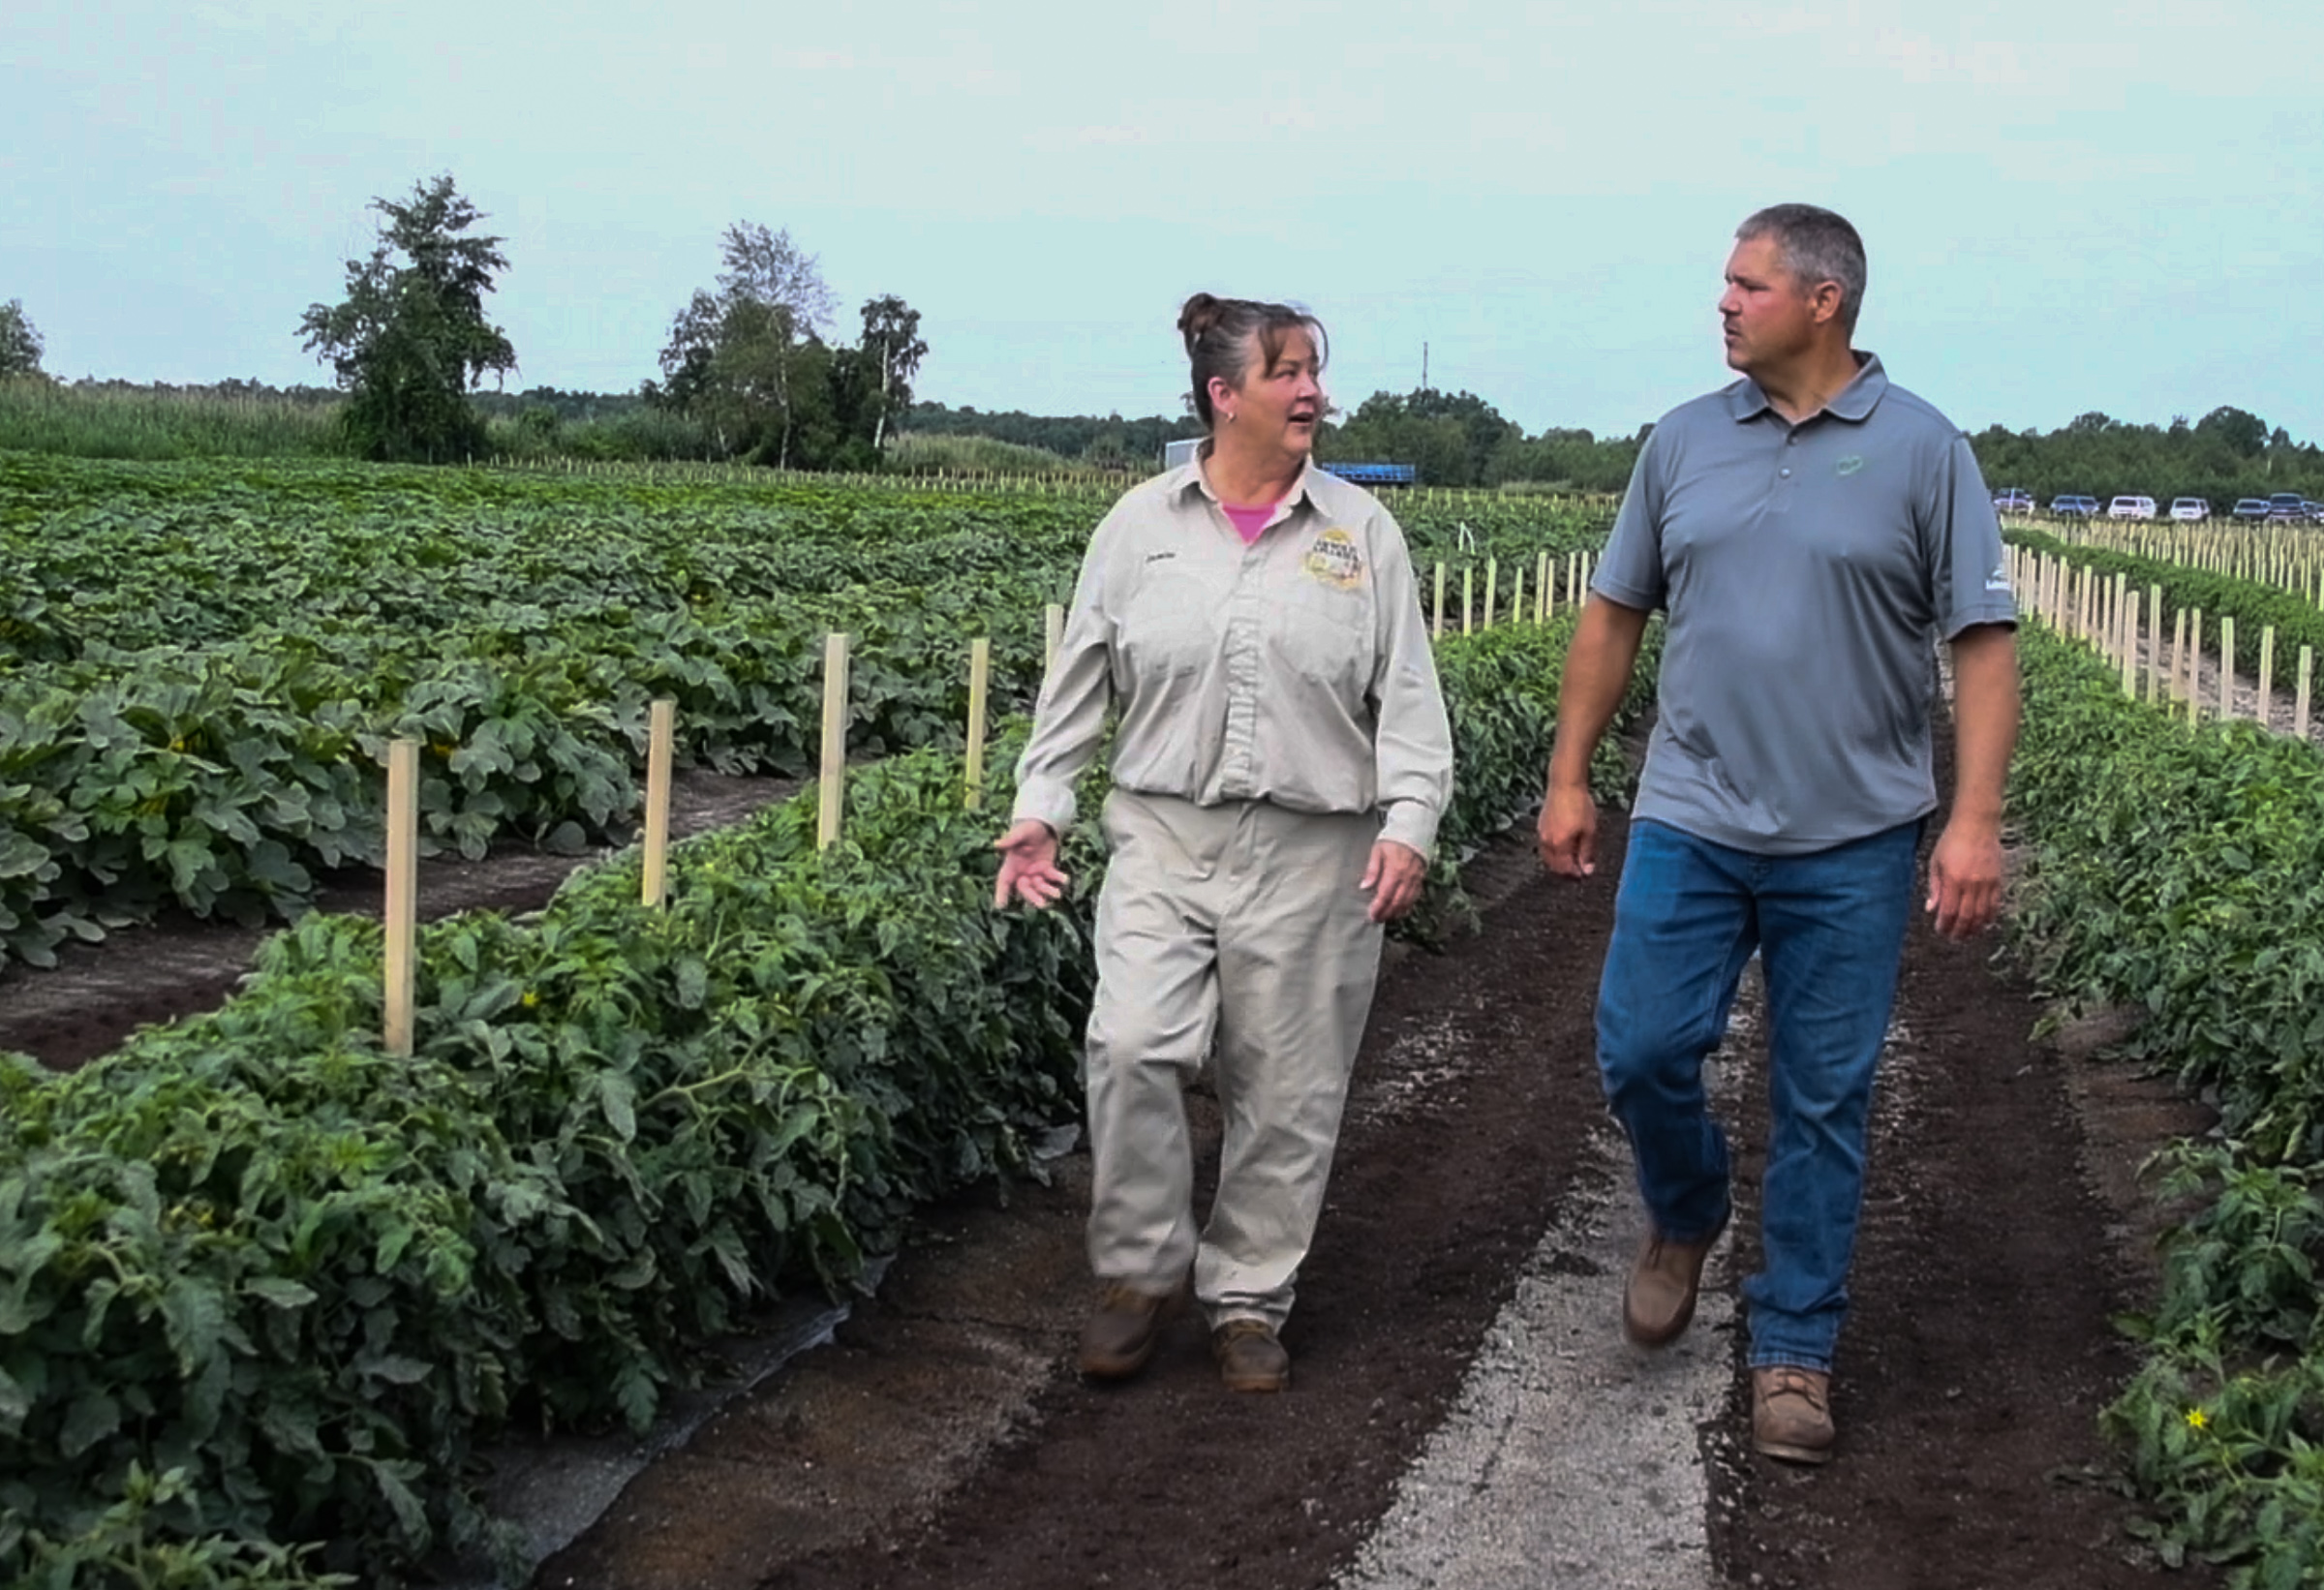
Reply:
x=2255 y=607
x=2226 y=455
x=412 y=338
x=303 y=1280
x=1103 y=442
x=912 y=452
x=199 y=665
x=21 y=342
x=2180 y=870
x=111 y=419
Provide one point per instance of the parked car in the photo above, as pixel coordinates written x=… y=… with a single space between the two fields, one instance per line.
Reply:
x=2189 y=507
x=2130 y=507
x=2014 y=500
x=2249 y=508
x=2073 y=508
x=2287 y=504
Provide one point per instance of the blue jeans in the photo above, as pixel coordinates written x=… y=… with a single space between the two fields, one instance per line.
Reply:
x=1830 y=930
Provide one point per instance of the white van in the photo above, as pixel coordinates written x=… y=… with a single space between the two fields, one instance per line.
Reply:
x=2130 y=507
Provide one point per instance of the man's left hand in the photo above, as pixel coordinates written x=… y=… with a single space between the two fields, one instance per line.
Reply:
x=1964 y=880
x=1394 y=880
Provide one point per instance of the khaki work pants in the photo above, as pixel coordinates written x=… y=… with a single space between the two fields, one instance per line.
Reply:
x=1242 y=921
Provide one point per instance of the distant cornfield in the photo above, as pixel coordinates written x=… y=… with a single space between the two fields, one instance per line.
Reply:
x=38 y=416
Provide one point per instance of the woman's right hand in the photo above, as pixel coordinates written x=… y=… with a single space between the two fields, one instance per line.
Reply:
x=1028 y=865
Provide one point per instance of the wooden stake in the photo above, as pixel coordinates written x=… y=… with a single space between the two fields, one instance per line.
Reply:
x=1468 y=599
x=1493 y=578
x=2227 y=667
x=1541 y=590
x=1438 y=629
x=2300 y=694
x=403 y=890
x=1516 y=596
x=2267 y=677
x=2126 y=649
x=833 y=787
x=662 y=721
x=2155 y=652
x=2177 y=653
x=2195 y=666
x=980 y=680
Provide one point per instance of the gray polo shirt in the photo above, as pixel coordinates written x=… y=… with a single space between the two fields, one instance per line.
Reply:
x=1808 y=570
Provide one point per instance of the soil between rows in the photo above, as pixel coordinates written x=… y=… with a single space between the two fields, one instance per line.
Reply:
x=943 y=1440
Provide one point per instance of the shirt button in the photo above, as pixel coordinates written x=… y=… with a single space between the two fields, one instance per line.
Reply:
x=1786 y=472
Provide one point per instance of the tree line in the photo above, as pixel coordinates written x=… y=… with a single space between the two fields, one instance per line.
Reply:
x=754 y=370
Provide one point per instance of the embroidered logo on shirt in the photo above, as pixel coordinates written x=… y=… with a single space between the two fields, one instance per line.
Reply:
x=1848 y=465
x=1334 y=561
x=1998 y=579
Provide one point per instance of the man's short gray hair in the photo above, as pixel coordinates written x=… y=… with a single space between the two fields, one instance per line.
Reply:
x=1814 y=246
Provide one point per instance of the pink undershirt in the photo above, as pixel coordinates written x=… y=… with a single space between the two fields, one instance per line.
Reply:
x=1249 y=522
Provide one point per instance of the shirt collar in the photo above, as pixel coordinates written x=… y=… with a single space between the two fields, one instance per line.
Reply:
x=1853 y=403
x=1189 y=476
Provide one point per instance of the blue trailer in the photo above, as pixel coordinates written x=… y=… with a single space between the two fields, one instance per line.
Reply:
x=1375 y=474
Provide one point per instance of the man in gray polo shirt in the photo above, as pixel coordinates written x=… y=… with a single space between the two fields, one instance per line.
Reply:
x=1812 y=533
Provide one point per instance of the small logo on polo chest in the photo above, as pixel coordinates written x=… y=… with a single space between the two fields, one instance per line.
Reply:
x=1848 y=465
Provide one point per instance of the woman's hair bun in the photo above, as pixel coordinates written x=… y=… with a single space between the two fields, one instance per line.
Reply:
x=1203 y=310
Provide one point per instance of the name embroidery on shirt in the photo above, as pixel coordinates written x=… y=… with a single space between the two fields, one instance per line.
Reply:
x=1333 y=560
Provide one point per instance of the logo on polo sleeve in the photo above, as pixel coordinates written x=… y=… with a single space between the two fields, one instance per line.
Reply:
x=1334 y=561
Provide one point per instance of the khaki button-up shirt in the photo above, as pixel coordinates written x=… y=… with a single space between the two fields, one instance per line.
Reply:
x=1294 y=670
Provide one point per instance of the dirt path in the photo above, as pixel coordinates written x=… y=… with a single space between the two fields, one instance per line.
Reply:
x=943 y=1441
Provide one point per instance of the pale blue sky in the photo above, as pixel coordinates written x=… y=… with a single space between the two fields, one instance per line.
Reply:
x=2067 y=205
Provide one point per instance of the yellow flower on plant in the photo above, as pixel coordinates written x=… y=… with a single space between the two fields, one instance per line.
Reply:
x=2196 y=1418
x=530 y=999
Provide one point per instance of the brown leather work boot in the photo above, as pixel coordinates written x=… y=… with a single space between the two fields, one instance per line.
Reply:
x=1659 y=1301
x=1792 y=1413
x=1249 y=1356
x=1120 y=1332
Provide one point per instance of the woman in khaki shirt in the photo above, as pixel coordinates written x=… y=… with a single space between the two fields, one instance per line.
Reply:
x=1282 y=760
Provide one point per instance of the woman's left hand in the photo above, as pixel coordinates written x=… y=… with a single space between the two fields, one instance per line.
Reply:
x=1394 y=880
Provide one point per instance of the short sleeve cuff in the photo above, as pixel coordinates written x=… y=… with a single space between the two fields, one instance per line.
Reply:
x=1623 y=593
x=1989 y=612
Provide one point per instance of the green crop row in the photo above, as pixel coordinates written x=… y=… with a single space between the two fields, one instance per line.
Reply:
x=2180 y=871
x=130 y=556
x=198 y=663
x=224 y=778
x=264 y=1286
x=2253 y=606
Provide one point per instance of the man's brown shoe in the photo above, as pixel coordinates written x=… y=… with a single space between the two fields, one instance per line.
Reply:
x=1659 y=1301
x=1120 y=1332
x=1792 y=1413
x=1249 y=1356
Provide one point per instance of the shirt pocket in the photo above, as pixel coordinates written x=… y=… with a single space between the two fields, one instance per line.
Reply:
x=1169 y=629
x=1327 y=636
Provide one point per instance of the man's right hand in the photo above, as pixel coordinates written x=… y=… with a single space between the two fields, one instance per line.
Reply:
x=1568 y=832
x=1028 y=865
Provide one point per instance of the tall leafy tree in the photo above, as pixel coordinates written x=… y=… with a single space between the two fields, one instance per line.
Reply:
x=736 y=357
x=20 y=344
x=892 y=343
x=412 y=338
